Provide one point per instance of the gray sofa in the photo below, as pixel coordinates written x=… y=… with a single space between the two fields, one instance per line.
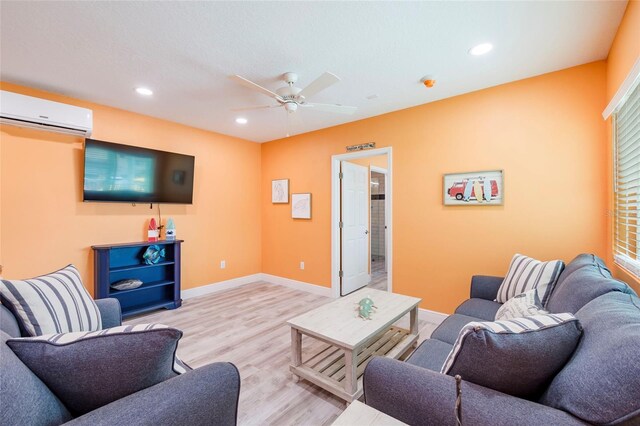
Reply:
x=600 y=384
x=204 y=396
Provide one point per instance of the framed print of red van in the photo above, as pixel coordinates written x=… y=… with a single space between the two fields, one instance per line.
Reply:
x=484 y=188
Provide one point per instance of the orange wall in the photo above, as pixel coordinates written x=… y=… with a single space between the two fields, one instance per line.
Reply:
x=624 y=52
x=546 y=133
x=45 y=225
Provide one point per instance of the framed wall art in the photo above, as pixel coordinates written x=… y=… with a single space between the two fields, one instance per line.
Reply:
x=301 y=206
x=280 y=191
x=474 y=188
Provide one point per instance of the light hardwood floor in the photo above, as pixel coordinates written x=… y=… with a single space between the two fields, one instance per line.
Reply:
x=246 y=326
x=378 y=275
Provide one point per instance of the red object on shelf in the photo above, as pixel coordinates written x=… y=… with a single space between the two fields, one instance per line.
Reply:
x=153 y=230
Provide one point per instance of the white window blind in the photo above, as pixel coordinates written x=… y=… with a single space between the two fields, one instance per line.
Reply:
x=626 y=133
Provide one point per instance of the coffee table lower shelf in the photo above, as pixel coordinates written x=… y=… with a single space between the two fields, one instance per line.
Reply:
x=327 y=369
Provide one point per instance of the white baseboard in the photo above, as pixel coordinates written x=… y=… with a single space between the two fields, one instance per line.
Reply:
x=220 y=286
x=240 y=281
x=297 y=285
x=431 y=316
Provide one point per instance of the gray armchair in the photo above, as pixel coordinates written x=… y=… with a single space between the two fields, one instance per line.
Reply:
x=204 y=396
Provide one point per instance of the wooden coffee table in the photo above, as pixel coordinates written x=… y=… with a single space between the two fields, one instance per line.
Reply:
x=353 y=341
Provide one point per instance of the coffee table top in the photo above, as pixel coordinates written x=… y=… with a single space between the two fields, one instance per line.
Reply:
x=338 y=321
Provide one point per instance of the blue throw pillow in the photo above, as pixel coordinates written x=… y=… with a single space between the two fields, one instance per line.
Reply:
x=87 y=370
x=519 y=356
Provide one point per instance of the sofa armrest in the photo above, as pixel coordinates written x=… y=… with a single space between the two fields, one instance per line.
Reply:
x=418 y=396
x=204 y=396
x=485 y=287
x=110 y=312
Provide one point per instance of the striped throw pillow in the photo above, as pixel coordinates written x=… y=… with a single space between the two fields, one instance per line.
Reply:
x=52 y=303
x=526 y=274
x=519 y=356
x=66 y=338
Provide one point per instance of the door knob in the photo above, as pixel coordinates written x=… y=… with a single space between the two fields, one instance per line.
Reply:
x=366 y=231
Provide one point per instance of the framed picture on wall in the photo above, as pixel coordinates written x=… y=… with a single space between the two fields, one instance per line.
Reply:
x=280 y=191
x=301 y=206
x=483 y=188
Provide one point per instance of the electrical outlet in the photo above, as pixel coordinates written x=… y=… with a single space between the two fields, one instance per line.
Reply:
x=302 y=265
x=223 y=264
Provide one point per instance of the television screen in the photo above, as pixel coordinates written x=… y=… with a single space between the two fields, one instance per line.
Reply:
x=123 y=173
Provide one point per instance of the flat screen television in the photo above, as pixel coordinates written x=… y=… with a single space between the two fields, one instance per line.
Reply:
x=124 y=173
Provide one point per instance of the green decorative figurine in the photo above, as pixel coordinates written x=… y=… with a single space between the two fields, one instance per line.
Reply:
x=170 y=232
x=365 y=308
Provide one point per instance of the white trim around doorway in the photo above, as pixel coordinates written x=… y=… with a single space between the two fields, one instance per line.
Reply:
x=335 y=213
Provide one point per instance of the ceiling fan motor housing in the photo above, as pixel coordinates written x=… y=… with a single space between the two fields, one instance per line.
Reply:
x=289 y=93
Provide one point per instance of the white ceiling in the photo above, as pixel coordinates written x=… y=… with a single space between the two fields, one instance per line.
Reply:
x=185 y=51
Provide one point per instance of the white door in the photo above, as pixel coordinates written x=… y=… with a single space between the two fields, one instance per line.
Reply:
x=355 y=223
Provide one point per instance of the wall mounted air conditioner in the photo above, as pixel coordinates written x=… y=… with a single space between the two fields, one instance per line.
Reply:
x=26 y=111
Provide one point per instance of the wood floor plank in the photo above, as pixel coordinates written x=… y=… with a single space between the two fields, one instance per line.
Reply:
x=247 y=326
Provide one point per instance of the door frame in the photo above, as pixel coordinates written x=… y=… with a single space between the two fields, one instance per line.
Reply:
x=385 y=172
x=335 y=213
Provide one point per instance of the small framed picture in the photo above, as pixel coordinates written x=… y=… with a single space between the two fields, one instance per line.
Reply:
x=301 y=206
x=474 y=188
x=280 y=191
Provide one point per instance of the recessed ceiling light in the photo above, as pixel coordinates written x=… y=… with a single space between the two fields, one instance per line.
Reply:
x=144 y=91
x=481 y=49
x=241 y=120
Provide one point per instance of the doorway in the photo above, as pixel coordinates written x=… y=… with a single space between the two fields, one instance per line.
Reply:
x=378 y=228
x=361 y=218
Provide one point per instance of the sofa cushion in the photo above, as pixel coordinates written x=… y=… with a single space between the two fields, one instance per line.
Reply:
x=522 y=305
x=526 y=273
x=449 y=329
x=89 y=370
x=600 y=384
x=25 y=400
x=430 y=354
x=479 y=308
x=591 y=280
x=519 y=357
x=52 y=303
x=580 y=261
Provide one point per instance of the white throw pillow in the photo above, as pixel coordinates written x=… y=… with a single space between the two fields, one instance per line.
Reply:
x=523 y=305
x=52 y=303
x=526 y=273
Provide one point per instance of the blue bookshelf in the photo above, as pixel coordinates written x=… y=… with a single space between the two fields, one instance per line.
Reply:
x=161 y=281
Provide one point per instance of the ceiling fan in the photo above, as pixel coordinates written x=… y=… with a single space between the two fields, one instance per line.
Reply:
x=291 y=97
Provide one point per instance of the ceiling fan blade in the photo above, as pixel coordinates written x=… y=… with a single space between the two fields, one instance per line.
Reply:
x=255 y=107
x=319 y=84
x=251 y=85
x=340 y=109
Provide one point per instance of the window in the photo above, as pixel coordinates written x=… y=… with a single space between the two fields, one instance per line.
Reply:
x=626 y=145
